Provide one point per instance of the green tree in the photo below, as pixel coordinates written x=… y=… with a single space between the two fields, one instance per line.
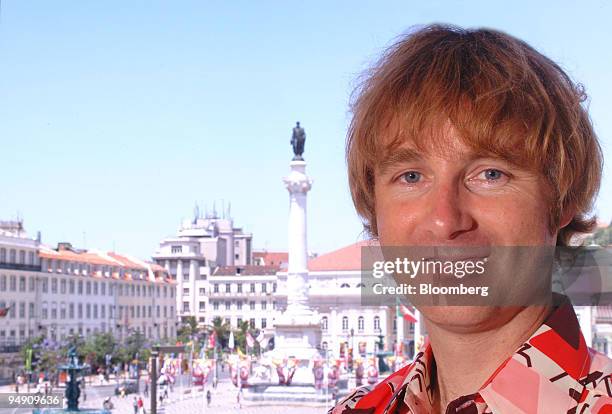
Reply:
x=221 y=329
x=187 y=330
x=602 y=237
x=46 y=355
x=97 y=347
x=134 y=345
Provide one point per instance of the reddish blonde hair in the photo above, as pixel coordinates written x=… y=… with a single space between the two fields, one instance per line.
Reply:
x=503 y=97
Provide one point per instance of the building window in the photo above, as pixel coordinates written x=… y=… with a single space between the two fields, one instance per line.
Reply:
x=274 y=286
x=80 y=310
x=32 y=310
x=32 y=284
x=202 y=306
x=3 y=282
x=88 y=310
x=273 y=305
x=216 y=288
x=185 y=291
x=71 y=310
x=264 y=288
x=21 y=257
x=324 y=323
x=252 y=287
x=63 y=286
x=45 y=286
x=264 y=323
x=345 y=323
x=215 y=305
x=202 y=291
x=13 y=283
x=95 y=288
x=185 y=306
x=22 y=283
x=71 y=287
x=264 y=304
x=252 y=323
x=239 y=305
x=252 y=305
x=12 y=258
x=228 y=288
x=22 y=308
x=376 y=324
x=3 y=255
x=54 y=285
x=227 y=305
x=103 y=288
x=239 y=287
x=360 y=324
x=176 y=249
x=80 y=287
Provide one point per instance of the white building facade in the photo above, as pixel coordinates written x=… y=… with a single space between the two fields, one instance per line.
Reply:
x=200 y=246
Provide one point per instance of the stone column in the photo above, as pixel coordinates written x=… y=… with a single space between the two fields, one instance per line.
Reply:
x=193 y=276
x=179 y=287
x=298 y=184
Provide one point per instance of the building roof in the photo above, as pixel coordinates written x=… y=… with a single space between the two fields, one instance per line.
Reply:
x=272 y=258
x=112 y=259
x=127 y=261
x=81 y=257
x=248 y=270
x=345 y=258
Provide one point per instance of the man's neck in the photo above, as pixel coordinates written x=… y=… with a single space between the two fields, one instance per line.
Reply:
x=464 y=361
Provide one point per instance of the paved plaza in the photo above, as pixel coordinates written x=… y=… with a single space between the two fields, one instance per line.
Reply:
x=192 y=401
x=188 y=400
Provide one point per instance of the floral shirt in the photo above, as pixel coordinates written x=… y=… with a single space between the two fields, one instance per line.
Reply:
x=553 y=372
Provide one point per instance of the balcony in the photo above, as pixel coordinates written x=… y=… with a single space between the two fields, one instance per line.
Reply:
x=17 y=266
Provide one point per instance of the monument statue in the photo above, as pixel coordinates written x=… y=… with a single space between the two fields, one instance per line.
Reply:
x=297 y=141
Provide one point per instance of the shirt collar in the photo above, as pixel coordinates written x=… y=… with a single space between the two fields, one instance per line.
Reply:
x=554 y=358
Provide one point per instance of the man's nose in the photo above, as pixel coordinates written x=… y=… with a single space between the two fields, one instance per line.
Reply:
x=449 y=217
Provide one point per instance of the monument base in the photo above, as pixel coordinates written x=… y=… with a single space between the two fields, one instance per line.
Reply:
x=294 y=393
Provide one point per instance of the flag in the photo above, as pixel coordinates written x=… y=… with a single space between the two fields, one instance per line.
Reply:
x=249 y=340
x=231 y=341
x=4 y=311
x=212 y=340
x=407 y=313
x=28 y=361
x=260 y=337
x=264 y=343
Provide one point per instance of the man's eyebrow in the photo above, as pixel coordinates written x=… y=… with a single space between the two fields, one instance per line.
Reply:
x=399 y=156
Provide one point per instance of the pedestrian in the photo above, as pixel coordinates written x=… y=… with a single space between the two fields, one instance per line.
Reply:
x=146 y=388
x=208 y=398
x=238 y=398
x=135 y=405
x=140 y=406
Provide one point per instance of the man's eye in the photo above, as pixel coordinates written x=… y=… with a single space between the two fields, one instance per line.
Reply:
x=411 y=177
x=492 y=174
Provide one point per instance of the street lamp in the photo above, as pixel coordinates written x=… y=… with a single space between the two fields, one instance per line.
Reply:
x=352 y=349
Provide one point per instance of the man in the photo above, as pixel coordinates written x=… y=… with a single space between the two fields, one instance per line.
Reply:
x=472 y=138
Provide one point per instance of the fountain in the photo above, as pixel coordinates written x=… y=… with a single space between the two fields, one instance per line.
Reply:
x=73 y=391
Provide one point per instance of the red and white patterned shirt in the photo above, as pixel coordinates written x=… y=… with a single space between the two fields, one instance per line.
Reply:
x=552 y=372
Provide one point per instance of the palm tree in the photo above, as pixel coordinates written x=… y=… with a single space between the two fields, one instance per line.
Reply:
x=221 y=329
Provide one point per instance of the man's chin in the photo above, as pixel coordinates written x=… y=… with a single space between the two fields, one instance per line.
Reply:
x=467 y=319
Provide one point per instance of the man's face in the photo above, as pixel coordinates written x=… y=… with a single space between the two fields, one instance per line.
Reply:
x=456 y=198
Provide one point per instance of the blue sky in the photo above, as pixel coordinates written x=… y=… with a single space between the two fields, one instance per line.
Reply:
x=117 y=117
